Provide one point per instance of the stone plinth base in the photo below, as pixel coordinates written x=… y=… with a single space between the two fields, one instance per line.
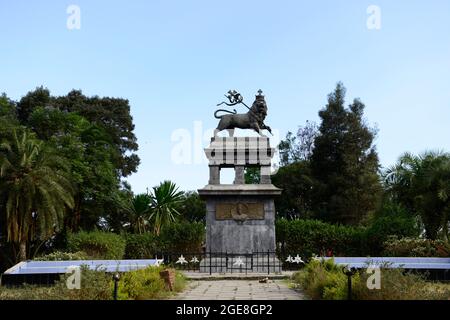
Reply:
x=240 y=218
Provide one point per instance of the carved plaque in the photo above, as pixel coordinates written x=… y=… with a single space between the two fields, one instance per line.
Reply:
x=239 y=211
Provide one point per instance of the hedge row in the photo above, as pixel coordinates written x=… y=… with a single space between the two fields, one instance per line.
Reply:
x=415 y=247
x=178 y=237
x=97 y=244
x=303 y=237
x=313 y=237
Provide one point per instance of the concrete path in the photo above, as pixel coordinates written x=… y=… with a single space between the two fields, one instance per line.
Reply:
x=239 y=290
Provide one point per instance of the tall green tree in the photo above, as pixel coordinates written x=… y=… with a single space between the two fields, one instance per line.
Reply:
x=138 y=213
x=297 y=183
x=422 y=185
x=344 y=162
x=298 y=147
x=113 y=115
x=40 y=97
x=35 y=189
x=165 y=204
x=89 y=151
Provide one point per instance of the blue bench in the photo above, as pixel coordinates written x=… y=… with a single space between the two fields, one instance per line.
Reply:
x=47 y=272
x=393 y=262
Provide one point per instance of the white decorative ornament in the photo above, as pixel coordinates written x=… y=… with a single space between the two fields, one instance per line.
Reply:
x=298 y=259
x=194 y=260
x=238 y=262
x=181 y=260
x=289 y=259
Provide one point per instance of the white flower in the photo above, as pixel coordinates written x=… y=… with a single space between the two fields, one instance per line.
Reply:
x=194 y=260
x=181 y=260
x=298 y=259
x=238 y=262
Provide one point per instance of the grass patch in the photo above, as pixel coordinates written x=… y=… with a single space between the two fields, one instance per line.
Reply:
x=323 y=280
x=97 y=285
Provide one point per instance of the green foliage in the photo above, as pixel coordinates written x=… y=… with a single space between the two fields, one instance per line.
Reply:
x=344 y=163
x=310 y=237
x=325 y=280
x=416 y=247
x=7 y=108
x=322 y=280
x=97 y=244
x=113 y=116
x=95 y=285
x=165 y=202
x=36 y=188
x=252 y=175
x=183 y=237
x=40 y=97
x=63 y=256
x=179 y=237
x=141 y=246
x=422 y=185
x=299 y=147
x=147 y=284
x=96 y=136
x=297 y=184
x=391 y=220
x=137 y=210
x=98 y=285
x=193 y=208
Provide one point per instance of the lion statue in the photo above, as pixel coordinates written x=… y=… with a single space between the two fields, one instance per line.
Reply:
x=253 y=119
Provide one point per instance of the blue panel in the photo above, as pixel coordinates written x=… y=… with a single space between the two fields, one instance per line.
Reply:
x=394 y=262
x=49 y=267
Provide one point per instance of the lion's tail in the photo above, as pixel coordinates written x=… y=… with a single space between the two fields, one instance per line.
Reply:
x=223 y=110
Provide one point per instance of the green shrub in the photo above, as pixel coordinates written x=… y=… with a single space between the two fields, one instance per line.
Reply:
x=416 y=247
x=325 y=280
x=396 y=284
x=309 y=237
x=391 y=220
x=98 y=285
x=141 y=246
x=95 y=285
x=183 y=237
x=63 y=256
x=322 y=280
x=97 y=244
x=147 y=284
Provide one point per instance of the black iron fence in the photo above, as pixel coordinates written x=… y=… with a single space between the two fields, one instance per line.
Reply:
x=227 y=262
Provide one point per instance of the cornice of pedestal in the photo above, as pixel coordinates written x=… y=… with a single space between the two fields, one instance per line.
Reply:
x=239 y=189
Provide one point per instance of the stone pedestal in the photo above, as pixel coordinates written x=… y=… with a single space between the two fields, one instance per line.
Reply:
x=240 y=217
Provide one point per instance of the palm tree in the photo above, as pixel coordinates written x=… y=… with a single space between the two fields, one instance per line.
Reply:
x=422 y=184
x=165 y=199
x=139 y=212
x=35 y=189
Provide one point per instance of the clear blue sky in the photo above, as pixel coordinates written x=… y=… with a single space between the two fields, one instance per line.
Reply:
x=175 y=59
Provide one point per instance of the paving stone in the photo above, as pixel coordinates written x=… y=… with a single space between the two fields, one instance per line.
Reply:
x=239 y=290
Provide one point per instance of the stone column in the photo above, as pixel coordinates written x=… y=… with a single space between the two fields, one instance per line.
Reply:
x=265 y=175
x=214 y=174
x=239 y=175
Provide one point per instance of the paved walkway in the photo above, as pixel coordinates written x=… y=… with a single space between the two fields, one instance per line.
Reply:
x=239 y=290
